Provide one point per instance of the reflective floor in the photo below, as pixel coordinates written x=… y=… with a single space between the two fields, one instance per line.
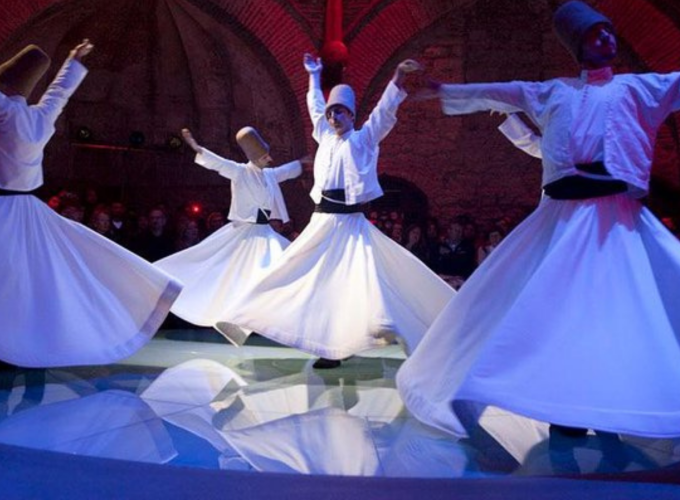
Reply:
x=189 y=398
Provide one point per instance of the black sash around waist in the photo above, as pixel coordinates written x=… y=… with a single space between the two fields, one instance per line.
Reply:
x=9 y=192
x=263 y=216
x=577 y=187
x=333 y=202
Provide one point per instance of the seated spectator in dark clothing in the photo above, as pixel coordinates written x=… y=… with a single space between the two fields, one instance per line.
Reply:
x=432 y=240
x=73 y=212
x=414 y=242
x=70 y=206
x=121 y=225
x=214 y=221
x=397 y=232
x=492 y=240
x=90 y=201
x=456 y=256
x=157 y=242
x=100 y=221
x=189 y=235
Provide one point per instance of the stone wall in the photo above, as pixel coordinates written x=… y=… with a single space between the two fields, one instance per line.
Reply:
x=216 y=65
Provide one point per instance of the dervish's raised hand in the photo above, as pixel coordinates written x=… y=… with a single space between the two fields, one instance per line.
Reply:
x=312 y=64
x=405 y=67
x=409 y=66
x=189 y=139
x=81 y=50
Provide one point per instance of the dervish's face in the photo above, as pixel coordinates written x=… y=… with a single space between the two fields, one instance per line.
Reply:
x=598 y=48
x=340 y=119
x=263 y=161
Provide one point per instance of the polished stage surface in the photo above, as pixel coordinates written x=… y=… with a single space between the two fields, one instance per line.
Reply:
x=191 y=400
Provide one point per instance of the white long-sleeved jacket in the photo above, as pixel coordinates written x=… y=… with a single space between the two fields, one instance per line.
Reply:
x=252 y=187
x=25 y=130
x=350 y=162
x=597 y=117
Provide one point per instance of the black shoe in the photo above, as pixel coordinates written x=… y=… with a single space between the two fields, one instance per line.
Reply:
x=325 y=364
x=574 y=432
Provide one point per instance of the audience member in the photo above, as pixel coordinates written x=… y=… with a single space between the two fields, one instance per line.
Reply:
x=456 y=255
x=214 y=221
x=121 y=225
x=189 y=235
x=100 y=221
x=424 y=241
x=493 y=238
x=156 y=242
x=73 y=212
x=414 y=242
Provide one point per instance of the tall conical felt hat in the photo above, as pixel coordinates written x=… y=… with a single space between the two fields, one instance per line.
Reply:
x=571 y=22
x=251 y=143
x=341 y=94
x=23 y=71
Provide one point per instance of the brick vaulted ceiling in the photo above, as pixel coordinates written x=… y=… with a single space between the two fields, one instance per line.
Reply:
x=285 y=29
x=279 y=32
x=164 y=64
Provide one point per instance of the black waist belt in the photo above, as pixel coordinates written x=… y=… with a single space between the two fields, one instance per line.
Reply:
x=596 y=167
x=9 y=192
x=577 y=187
x=263 y=216
x=333 y=202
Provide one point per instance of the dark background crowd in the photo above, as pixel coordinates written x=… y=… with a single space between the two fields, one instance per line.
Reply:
x=452 y=248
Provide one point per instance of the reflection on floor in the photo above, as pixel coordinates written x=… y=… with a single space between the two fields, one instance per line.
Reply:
x=190 y=399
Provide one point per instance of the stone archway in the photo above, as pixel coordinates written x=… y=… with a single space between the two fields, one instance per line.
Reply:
x=402 y=196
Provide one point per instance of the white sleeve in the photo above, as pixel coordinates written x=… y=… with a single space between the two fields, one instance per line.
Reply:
x=63 y=86
x=466 y=98
x=384 y=115
x=658 y=94
x=316 y=106
x=226 y=168
x=521 y=136
x=288 y=171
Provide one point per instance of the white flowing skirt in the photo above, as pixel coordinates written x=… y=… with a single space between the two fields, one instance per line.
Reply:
x=69 y=296
x=340 y=288
x=574 y=319
x=221 y=266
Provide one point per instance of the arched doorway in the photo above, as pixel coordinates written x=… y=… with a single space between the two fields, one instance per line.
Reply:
x=403 y=197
